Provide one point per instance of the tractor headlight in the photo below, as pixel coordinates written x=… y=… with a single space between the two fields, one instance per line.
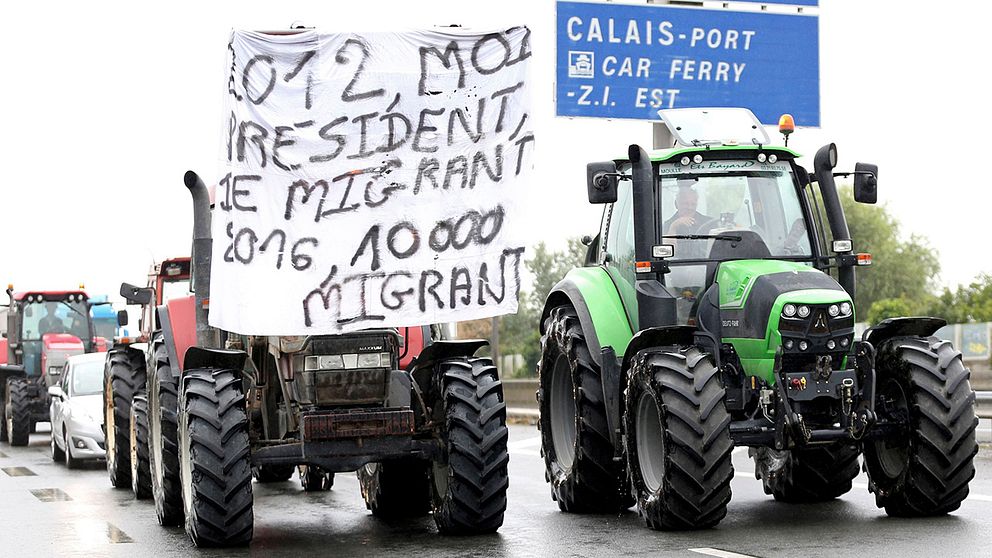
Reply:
x=789 y=343
x=833 y=310
x=845 y=309
x=803 y=345
x=772 y=158
x=762 y=157
x=697 y=158
x=54 y=370
x=789 y=310
x=803 y=311
x=685 y=161
x=831 y=344
x=368 y=360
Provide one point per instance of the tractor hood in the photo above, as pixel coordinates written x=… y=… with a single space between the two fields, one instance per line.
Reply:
x=753 y=296
x=56 y=350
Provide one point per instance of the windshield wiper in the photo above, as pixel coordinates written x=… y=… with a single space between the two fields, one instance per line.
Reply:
x=730 y=237
x=71 y=308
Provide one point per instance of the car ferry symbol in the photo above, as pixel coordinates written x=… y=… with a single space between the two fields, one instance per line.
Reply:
x=580 y=64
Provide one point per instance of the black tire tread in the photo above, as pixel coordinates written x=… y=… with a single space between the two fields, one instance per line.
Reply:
x=942 y=434
x=815 y=474
x=19 y=407
x=214 y=443
x=141 y=478
x=595 y=483
x=124 y=378
x=699 y=467
x=475 y=434
x=163 y=394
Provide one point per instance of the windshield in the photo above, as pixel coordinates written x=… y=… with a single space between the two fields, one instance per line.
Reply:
x=55 y=317
x=174 y=289
x=87 y=378
x=733 y=200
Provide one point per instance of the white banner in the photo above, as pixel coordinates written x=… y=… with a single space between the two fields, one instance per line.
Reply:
x=371 y=180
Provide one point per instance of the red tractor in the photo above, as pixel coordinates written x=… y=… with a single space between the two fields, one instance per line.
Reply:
x=125 y=376
x=44 y=328
x=420 y=417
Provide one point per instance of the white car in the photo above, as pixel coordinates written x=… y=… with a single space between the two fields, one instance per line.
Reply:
x=77 y=410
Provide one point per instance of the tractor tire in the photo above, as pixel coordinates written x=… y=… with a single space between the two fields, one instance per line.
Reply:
x=677 y=432
x=163 y=454
x=214 y=454
x=808 y=475
x=469 y=481
x=17 y=409
x=315 y=479
x=3 y=413
x=925 y=471
x=396 y=489
x=141 y=477
x=58 y=454
x=272 y=473
x=124 y=377
x=575 y=437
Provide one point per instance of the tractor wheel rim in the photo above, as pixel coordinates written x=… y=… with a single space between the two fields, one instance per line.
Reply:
x=893 y=453
x=563 y=417
x=111 y=440
x=650 y=440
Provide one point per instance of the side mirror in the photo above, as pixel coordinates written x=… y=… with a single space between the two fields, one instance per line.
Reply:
x=601 y=182
x=136 y=295
x=56 y=392
x=122 y=318
x=865 y=183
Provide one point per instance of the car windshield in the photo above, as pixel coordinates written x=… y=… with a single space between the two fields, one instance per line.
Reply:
x=87 y=378
x=732 y=199
x=55 y=317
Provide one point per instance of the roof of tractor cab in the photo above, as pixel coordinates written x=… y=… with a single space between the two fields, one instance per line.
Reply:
x=660 y=155
x=49 y=295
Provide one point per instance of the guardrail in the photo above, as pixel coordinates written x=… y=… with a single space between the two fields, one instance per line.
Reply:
x=519 y=395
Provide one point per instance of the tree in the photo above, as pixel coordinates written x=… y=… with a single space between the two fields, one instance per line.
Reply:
x=520 y=333
x=971 y=303
x=890 y=308
x=901 y=269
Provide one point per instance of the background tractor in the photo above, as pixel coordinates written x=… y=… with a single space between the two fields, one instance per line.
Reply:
x=44 y=328
x=125 y=376
x=419 y=416
x=716 y=309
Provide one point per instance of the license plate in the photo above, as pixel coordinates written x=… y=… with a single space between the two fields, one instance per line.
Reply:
x=335 y=426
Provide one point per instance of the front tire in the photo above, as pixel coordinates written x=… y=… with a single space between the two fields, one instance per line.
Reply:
x=575 y=437
x=807 y=475
x=469 y=481
x=315 y=479
x=141 y=478
x=123 y=379
x=58 y=454
x=678 y=440
x=396 y=489
x=163 y=454
x=214 y=457
x=923 y=383
x=17 y=409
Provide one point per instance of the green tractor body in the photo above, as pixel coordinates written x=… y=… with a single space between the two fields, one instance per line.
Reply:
x=716 y=308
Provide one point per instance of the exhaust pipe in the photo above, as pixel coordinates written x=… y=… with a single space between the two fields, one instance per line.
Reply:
x=823 y=167
x=655 y=305
x=206 y=336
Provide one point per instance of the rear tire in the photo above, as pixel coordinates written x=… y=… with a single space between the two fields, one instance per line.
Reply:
x=469 y=481
x=272 y=473
x=923 y=383
x=18 y=411
x=3 y=414
x=141 y=478
x=808 y=475
x=214 y=457
x=678 y=440
x=163 y=454
x=124 y=377
x=315 y=479
x=575 y=437
x=396 y=489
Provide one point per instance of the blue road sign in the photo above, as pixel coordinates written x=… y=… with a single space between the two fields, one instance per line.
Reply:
x=629 y=61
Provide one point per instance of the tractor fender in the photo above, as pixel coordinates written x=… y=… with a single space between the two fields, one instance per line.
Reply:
x=203 y=357
x=664 y=336
x=423 y=365
x=922 y=326
x=604 y=321
x=178 y=322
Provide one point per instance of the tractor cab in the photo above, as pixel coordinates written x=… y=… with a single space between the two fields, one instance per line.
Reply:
x=44 y=328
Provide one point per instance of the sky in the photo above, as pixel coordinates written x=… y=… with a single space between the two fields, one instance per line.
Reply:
x=105 y=105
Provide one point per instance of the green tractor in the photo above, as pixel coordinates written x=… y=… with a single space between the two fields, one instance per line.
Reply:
x=716 y=310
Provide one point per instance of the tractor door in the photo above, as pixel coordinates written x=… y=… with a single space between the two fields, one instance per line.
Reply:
x=617 y=240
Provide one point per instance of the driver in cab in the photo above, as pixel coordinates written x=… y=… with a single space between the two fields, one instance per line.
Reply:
x=50 y=323
x=686 y=219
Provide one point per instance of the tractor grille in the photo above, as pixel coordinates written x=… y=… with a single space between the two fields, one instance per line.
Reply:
x=356 y=424
x=815 y=332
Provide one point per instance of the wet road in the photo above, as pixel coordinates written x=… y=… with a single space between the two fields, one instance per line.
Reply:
x=47 y=510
